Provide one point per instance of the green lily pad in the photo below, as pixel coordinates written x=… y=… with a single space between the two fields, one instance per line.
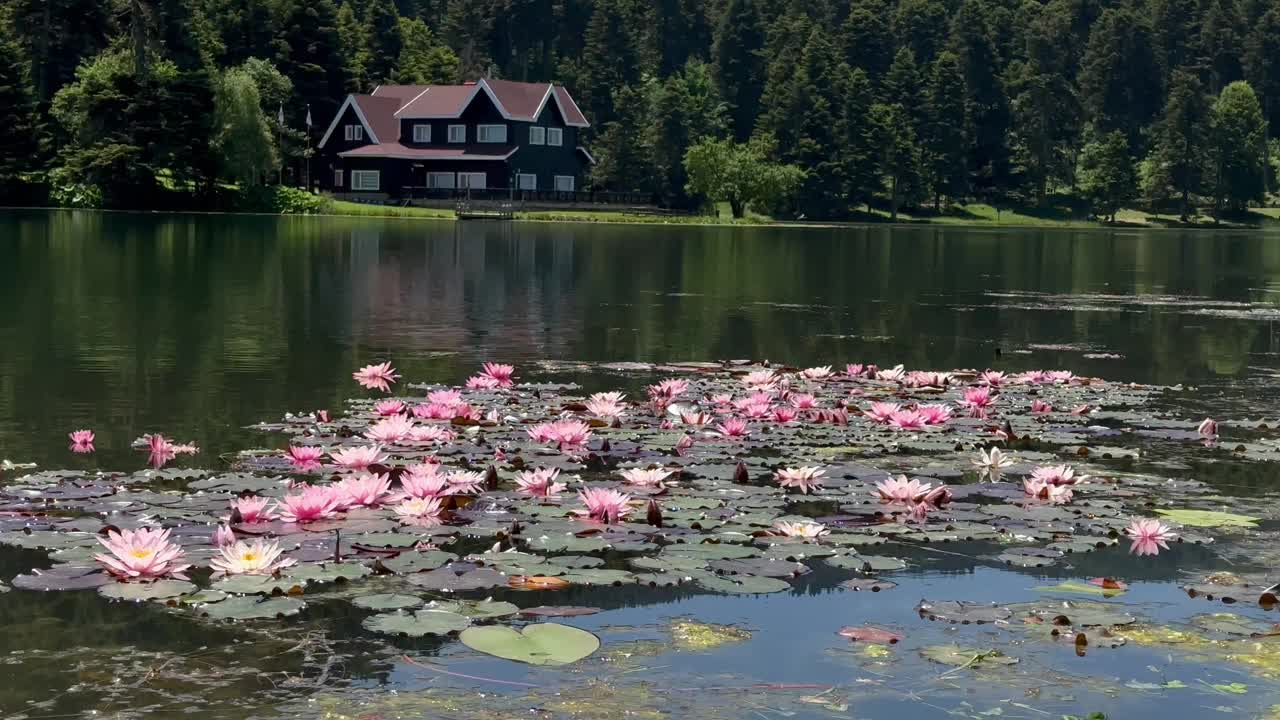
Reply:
x=741 y=584
x=411 y=562
x=541 y=644
x=331 y=572
x=158 y=590
x=418 y=624
x=567 y=543
x=957 y=656
x=1208 y=518
x=387 y=601
x=481 y=610
x=253 y=608
x=254 y=585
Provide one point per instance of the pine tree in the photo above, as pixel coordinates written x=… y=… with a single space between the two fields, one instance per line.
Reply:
x=610 y=61
x=382 y=27
x=1262 y=64
x=1116 y=90
x=467 y=25
x=857 y=127
x=868 y=43
x=987 y=106
x=625 y=159
x=16 y=111
x=923 y=26
x=1220 y=43
x=423 y=60
x=902 y=86
x=353 y=44
x=1174 y=24
x=739 y=65
x=309 y=53
x=686 y=109
x=818 y=146
x=945 y=142
x=1045 y=107
x=56 y=35
x=899 y=154
x=1179 y=153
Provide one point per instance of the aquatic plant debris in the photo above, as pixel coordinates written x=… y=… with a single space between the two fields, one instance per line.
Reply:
x=441 y=512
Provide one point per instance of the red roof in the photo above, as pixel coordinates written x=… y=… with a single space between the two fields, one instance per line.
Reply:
x=437 y=101
x=380 y=114
x=572 y=114
x=404 y=152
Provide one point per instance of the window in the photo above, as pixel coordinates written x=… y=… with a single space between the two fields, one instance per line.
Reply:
x=366 y=180
x=564 y=183
x=353 y=132
x=491 y=133
x=457 y=133
x=477 y=181
x=439 y=181
x=527 y=181
x=422 y=133
x=537 y=136
x=337 y=178
x=555 y=136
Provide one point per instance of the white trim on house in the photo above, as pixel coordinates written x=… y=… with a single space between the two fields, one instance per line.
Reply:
x=584 y=152
x=402 y=107
x=551 y=93
x=570 y=184
x=464 y=134
x=537 y=135
x=392 y=155
x=491 y=128
x=337 y=178
x=358 y=178
x=350 y=102
x=422 y=137
x=531 y=185
x=481 y=85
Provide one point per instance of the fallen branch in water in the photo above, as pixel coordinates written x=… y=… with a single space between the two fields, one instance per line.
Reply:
x=450 y=673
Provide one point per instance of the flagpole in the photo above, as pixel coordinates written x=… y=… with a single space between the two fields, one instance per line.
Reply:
x=280 y=141
x=307 y=155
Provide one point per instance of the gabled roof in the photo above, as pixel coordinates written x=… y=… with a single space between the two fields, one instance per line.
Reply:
x=381 y=111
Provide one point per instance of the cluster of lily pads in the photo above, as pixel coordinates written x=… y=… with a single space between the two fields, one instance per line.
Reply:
x=720 y=477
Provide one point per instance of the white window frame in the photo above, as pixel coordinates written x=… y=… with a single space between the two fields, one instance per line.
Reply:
x=453 y=133
x=422 y=133
x=435 y=181
x=571 y=182
x=467 y=180
x=353 y=133
x=520 y=181
x=484 y=133
x=337 y=178
x=537 y=135
x=359 y=177
x=555 y=137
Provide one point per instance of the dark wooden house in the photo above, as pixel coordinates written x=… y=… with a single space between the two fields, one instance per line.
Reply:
x=440 y=140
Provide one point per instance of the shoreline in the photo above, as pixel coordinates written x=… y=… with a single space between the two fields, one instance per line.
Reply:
x=587 y=217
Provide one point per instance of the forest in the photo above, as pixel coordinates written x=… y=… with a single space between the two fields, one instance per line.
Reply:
x=816 y=109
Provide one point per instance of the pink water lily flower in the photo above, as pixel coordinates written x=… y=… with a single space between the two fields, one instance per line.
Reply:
x=978 y=398
x=1041 y=490
x=1208 y=428
x=1149 y=536
x=907 y=420
x=683 y=444
x=387 y=408
x=806 y=530
x=935 y=414
x=652 y=478
x=566 y=434
x=902 y=491
x=420 y=511
x=854 y=369
x=880 y=412
x=445 y=397
x=81 y=441
x=1040 y=407
x=161 y=451
x=760 y=380
x=424 y=481
x=359 y=457
x=504 y=374
x=482 y=382
x=803 y=401
x=376 y=377
x=696 y=418
x=923 y=378
x=734 y=428
x=607 y=405
x=893 y=374
x=312 y=504
x=540 y=482
x=253 y=509
x=368 y=490
x=390 y=430
x=784 y=415
x=462 y=482
x=604 y=505
x=142 y=554
x=223 y=536
x=805 y=479
x=1056 y=475
x=994 y=378
x=431 y=433
x=816 y=373
x=304 y=457
x=256 y=557
x=322 y=416
x=755 y=411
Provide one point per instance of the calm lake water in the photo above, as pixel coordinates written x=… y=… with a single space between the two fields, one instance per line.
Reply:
x=198 y=326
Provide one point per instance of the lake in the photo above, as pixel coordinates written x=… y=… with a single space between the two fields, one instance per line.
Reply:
x=199 y=327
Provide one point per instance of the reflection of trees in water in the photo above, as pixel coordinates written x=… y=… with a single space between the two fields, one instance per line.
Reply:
x=200 y=325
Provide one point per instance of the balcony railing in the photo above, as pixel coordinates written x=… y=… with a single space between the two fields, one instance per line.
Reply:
x=581 y=197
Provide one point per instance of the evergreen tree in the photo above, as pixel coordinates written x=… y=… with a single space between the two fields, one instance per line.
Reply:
x=1174 y=24
x=1181 y=143
x=902 y=86
x=16 y=112
x=309 y=53
x=1220 y=43
x=423 y=60
x=624 y=156
x=1262 y=63
x=1107 y=174
x=610 y=61
x=987 y=106
x=686 y=109
x=858 y=134
x=1116 y=88
x=56 y=35
x=382 y=28
x=868 y=42
x=1045 y=106
x=899 y=154
x=353 y=45
x=681 y=30
x=1239 y=135
x=739 y=65
x=945 y=143
x=923 y=26
x=467 y=24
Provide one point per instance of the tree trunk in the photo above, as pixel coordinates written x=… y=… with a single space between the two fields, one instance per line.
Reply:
x=738 y=207
x=893 y=201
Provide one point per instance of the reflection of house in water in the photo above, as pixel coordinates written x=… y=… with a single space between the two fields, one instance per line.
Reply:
x=483 y=289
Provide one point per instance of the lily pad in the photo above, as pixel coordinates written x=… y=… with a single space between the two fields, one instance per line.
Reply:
x=417 y=624
x=1208 y=518
x=253 y=608
x=961 y=612
x=559 y=611
x=157 y=590
x=741 y=584
x=540 y=644
x=963 y=657
x=387 y=601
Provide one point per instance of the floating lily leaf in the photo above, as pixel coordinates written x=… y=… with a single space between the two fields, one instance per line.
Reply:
x=559 y=611
x=541 y=644
x=667 y=562
x=759 y=566
x=203 y=597
x=417 y=624
x=711 y=551
x=387 y=601
x=331 y=572
x=741 y=584
x=866 y=563
x=1208 y=518
x=256 y=585
x=411 y=562
x=567 y=543
x=475 y=610
x=157 y=590
x=253 y=608
x=63 y=577
x=598 y=576
x=878 y=636
x=953 y=611
x=965 y=657
x=867 y=584
x=458 y=577
x=1029 y=557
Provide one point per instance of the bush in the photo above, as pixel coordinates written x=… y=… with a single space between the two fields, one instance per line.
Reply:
x=278 y=199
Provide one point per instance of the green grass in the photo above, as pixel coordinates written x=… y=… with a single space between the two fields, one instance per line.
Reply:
x=342 y=207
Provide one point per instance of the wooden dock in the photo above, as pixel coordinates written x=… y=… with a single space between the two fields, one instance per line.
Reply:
x=472 y=210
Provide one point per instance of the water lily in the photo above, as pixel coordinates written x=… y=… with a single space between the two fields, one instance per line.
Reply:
x=696 y=418
x=568 y=435
x=784 y=415
x=1208 y=428
x=906 y=420
x=81 y=441
x=880 y=412
x=935 y=414
x=1041 y=490
x=142 y=554
x=431 y=433
x=504 y=374
x=893 y=374
x=978 y=399
x=994 y=378
x=607 y=405
x=1056 y=475
x=1149 y=536
x=816 y=373
x=806 y=530
x=223 y=536
x=256 y=557
x=1040 y=407
x=304 y=457
x=253 y=509
x=464 y=482
x=854 y=369
x=733 y=428
x=902 y=491
x=445 y=397
x=359 y=457
x=604 y=505
x=540 y=482
x=805 y=479
x=760 y=380
x=991 y=462
x=424 y=481
x=312 y=504
x=387 y=408
x=368 y=490
x=482 y=382
x=803 y=401
x=668 y=390
x=376 y=377
x=420 y=511
x=390 y=430
x=642 y=477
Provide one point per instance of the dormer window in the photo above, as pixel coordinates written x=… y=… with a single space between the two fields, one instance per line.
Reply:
x=555 y=136
x=537 y=135
x=457 y=133
x=491 y=133
x=422 y=133
x=353 y=133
